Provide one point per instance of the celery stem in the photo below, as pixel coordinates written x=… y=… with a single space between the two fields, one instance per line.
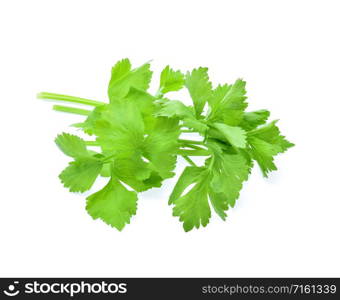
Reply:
x=193 y=152
x=72 y=110
x=191 y=142
x=189 y=160
x=60 y=97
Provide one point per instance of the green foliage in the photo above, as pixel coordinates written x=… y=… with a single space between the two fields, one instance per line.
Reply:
x=137 y=137
x=170 y=80
x=114 y=204
x=198 y=84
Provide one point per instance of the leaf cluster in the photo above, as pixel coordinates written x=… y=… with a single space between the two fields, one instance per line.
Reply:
x=137 y=137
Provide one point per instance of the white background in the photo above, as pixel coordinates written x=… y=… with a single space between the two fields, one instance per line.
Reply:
x=287 y=51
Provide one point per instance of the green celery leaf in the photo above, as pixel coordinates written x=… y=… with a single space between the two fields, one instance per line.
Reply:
x=253 y=119
x=133 y=171
x=145 y=103
x=170 y=80
x=271 y=134
x=196 y=125
x=120 y=128
x=219 y=203
x=80 y=175
x=217 y=95
x=263 y=153
x=199 y=87
x=229 y=172
x=192 y=208
x=88 y=125
x=113 y=204
x=71 y=145
x=176 y=109
x=161 y=145
x=220 y=181
x=227 y=103
x=188 y=177
x=236 y=136
x=264 y=143
x=153 y=181
x=120 y=132
x=123 y=78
